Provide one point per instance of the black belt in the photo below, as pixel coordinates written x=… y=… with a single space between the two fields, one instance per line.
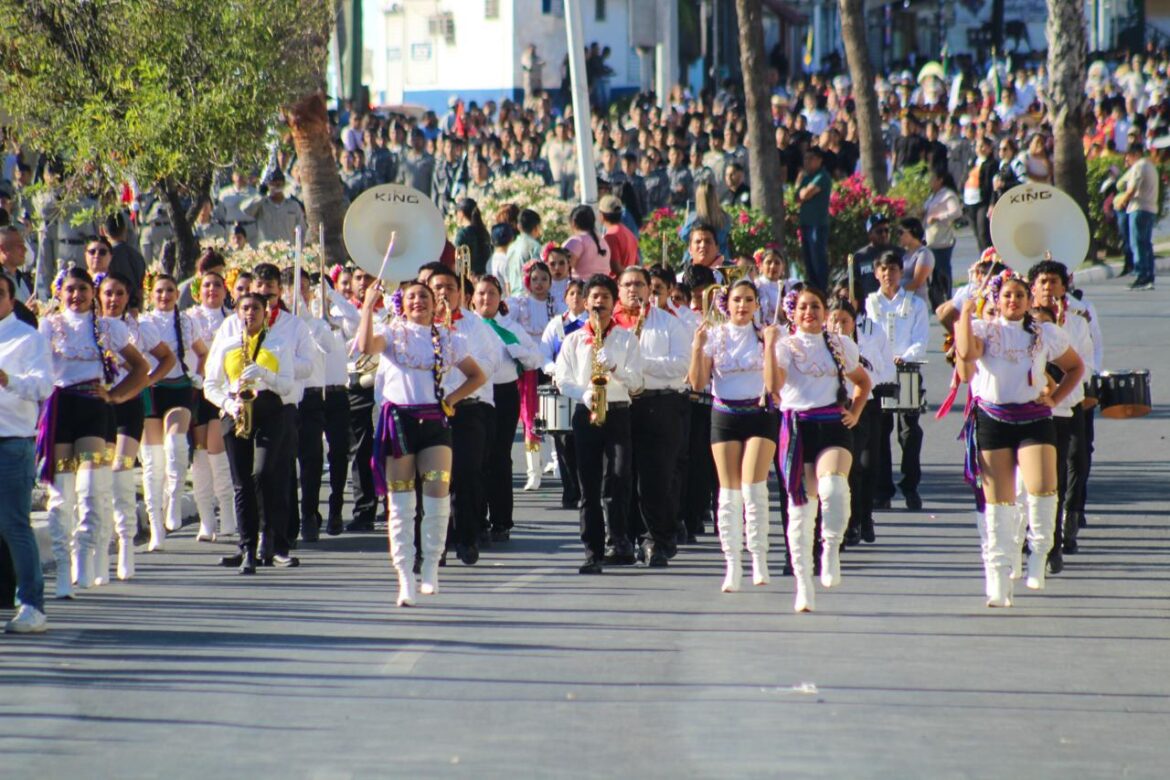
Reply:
x=470 y=402
x=613 y=404
x=73 y=241
x=336 y=388
x=653 y=393
x=703 y=399
x=6 y=439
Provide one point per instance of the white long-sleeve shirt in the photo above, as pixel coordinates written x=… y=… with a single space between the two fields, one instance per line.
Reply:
x=217 y=387
x=25 y=359
x=526 y=351
x=619 y=352
x=482 y=344
x=554 y=337
x=289 y=333
x=904 y=320
x=875 y=347
x=665 y=345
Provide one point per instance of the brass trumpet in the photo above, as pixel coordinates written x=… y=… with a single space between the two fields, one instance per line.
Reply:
x=598 y=375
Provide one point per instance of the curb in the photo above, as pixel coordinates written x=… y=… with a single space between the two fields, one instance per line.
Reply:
x=1103 y=271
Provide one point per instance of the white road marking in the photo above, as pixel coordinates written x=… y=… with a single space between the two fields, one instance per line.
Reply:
x=402 y=663
x=516 y=583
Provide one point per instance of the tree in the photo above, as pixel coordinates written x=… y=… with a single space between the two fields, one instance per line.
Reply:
x=763 y=158
x=160 y=92
x=1067 y=52
x=869 y=124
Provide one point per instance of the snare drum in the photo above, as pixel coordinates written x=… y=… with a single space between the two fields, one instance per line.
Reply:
x=1123 y=394
x=556 y=411
x=910 y=398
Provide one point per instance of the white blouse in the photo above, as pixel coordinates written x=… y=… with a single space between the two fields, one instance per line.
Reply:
x=1002 y=374
x=76 y=357
x=144 y=336
x=737 y=358
x=407 y=364
x=207 y=321
x=534 y=315
x=527 y=353
x=811 y=372
x=164 y=322
x=875 y=347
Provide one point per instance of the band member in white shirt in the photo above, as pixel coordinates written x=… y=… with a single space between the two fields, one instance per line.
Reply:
x=818 y=413
x=573 y=318
x=74 y=425
x=26 y=380
x=737 y=358
x=598 y=367
x=656 y=412
x=413 y=433
x=903 y=316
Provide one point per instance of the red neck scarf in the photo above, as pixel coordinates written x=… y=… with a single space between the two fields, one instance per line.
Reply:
x=608 y=329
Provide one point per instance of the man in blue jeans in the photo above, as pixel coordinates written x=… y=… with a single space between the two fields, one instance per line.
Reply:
x=1139 y=197
x=25 y=381
x=813 y=187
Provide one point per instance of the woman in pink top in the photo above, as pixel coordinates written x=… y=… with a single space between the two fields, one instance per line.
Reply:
x=588 y=254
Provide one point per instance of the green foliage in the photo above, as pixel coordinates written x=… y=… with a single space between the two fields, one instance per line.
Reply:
x=155 y=90
x=912 y=185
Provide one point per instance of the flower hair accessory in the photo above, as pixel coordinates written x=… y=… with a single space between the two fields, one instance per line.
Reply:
x=759 y=255
x=547 y=248
x=58 y=281
x=396 y=303
x=99 y=278
x=721 y=297
x=335 y=273
x=995 y=284
x=790 y=306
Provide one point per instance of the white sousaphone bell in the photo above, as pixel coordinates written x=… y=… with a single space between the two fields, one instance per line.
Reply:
x=1032 y=222
x=393 y=210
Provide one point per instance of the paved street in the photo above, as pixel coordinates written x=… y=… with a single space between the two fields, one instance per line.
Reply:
x=522 y=668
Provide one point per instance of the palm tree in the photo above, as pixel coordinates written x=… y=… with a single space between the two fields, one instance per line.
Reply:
x=1067 y=51
x=308 y=121
x=869 y=126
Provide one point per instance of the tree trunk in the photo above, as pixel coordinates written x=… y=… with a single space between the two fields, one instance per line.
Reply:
x=1066 y=101
x=869 y=123
x=763 y=158
x=308 y=121
x=186 y=247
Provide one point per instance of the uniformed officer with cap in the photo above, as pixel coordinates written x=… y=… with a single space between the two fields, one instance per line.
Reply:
x=231 y=199
x=277 y=216
x=154 y=226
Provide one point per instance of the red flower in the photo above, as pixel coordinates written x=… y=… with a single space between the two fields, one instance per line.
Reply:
x=744 y=218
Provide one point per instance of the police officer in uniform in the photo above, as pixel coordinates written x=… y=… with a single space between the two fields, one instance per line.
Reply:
x=154 y=223
x=277 y=216
x=231 y=201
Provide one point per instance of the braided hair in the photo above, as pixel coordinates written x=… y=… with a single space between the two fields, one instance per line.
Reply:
x=833 y=347
x=180 y=349
x=438 y=370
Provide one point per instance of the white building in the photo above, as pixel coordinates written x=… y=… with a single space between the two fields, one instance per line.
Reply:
x=421 y=52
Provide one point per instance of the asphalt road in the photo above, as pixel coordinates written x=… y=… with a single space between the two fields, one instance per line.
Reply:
x=522 y=668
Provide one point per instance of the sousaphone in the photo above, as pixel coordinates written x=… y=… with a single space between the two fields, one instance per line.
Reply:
x=1033 y=221
x=408 y=215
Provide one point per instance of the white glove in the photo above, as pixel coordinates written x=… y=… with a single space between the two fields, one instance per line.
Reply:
x=587 y=396
x=257 y=374
x=197 y=381
x=604 y=359
x=231 y=407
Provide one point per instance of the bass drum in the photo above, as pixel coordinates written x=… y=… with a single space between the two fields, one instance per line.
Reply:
x=1123 y=394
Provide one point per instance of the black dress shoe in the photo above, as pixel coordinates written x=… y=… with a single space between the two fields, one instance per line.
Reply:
x=913 y=500
x=658 y=559
x=1082 y=522
x=247 y=563
x=334 y=527
x=359 y=526
x=621 y=554
x=591 y=566
x=1070 y=545
x=1055 y=562
x=232 y=561
x=485 y=538
x=867 y=534
x=285 y=561
x=881 y=503
x=641 y=553
x=311 y=535
x=469 y=554
x=501 y=534
x=852 y=537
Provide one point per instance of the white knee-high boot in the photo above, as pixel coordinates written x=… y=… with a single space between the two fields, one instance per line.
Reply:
x=88 y=520
x=104 y=483
x=835 y=498
x=204 y=491
x=1001 y=537
x=176 y=479
x=401 y=531
x=225 y=491
x=1041 y=527
x=532 y=463
x=125 y=520
x=436 y=516
x=62 y=508
x=730 y=518
x=802 y=526
x=755 y=516
x=153 y=482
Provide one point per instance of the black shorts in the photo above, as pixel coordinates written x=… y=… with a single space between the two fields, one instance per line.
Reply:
x=816 y=437
x=991 y=434
x=129 y=418
x=419 y=434
x=163 y=399
x=81 y=417
x=205 y=411
x=764 y=424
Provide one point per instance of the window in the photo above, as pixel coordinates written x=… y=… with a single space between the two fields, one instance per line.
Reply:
x=600 y=15
x=491 y=9
x=553 y=7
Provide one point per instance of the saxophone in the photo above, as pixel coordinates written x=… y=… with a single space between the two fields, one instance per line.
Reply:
x=246 y=393
x=599 y=377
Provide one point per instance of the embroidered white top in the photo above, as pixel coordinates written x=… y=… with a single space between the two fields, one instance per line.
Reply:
x=533 y=315
x=408 y=362
x=737 y=365
x=811 y=372
x=164 y=324
x=1010 y=372
x=144 y=336
x=75 y=354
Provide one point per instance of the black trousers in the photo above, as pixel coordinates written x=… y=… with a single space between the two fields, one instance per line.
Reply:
x=656 y=437
x=566 y=451
x=1071 y=464
x=700 y=480
x=1090 y=417
x=910 y=440
x=361 y=447
x=469 y=459
x=499 y=465
x=603 y=472
x=289 y=508
x=257 y=471
x=980 y=224
x=323 y=413
x=678 y=480
x=866 y=456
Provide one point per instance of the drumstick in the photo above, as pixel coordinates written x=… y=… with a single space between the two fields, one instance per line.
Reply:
x=852 y=294
x=389 y=251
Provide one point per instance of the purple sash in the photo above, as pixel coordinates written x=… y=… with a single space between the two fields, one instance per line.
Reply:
x=792 y=449
x=47 y=426
x=389 y=429
x=1010 y=414
x=741 y=406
